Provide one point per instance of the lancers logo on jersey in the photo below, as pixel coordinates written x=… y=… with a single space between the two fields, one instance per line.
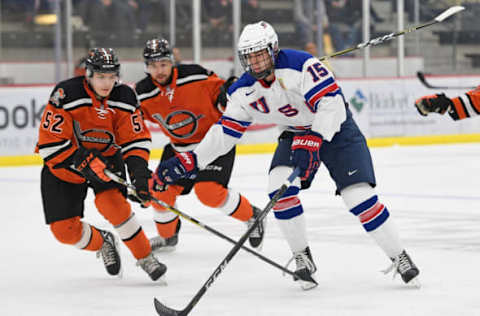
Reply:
x=57 y=96
x=179 y=124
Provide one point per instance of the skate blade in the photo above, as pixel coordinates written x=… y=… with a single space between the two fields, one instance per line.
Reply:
x=162 y=281
x=307 y=285
x=415 y=283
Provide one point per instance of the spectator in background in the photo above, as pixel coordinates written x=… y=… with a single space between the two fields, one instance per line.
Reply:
x=251 y=11
x=219 y=16
x=140 y=11
x=306 y=23
x=345 y=22
x=109 y=22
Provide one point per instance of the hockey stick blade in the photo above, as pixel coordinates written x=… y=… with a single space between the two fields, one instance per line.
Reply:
x=423 y=80
x=123 y=182
x=451 y=11
x=379 y=40
x=163 y=310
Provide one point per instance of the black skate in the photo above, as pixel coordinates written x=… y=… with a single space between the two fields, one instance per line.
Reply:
x=403 y=265
x=305 y=269
x=109 y=253
x=152 y=266
x=160 y=244
x=256 y=236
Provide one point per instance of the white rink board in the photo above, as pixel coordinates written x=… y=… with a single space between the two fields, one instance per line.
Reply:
x=381 y=107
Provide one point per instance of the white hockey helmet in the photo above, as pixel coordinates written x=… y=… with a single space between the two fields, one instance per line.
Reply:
x=256 y=37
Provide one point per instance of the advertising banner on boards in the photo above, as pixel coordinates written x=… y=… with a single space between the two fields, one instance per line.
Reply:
x=381 y=107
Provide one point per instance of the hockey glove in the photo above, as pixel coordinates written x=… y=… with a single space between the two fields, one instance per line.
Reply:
x=222 y=96
x=91 y=164
x=156 y=185
x=438 y=103
x=183 y=165
x=306 y=152
x=140 y=175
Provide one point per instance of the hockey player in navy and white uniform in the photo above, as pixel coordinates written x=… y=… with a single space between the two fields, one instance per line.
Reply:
x=296 y=91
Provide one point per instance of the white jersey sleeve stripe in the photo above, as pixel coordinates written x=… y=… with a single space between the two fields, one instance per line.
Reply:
x=233 y=127
x=320 y=90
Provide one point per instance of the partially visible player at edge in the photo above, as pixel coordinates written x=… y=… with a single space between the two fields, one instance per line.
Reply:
x=184 y=101
x=296 y=91
x=459 y=108
x=91 y=123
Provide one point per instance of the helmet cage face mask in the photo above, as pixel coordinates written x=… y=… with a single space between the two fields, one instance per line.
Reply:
x=102 y=60
x=244 y=61
x=255 y=38
x=157 y=50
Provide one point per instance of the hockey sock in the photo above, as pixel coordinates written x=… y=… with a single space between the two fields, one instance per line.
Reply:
x=374 y=217
x=166 y=223
x=289 y=213
x=115 y=208
x=229 y=201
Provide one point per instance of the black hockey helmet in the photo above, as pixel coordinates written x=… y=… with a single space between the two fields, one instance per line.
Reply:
x=157 y=49
x=102 y=60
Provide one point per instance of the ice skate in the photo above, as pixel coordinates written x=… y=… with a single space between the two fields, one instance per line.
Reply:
x=403 y=265
x=110 y=253
x=256 y=236
x=305 y=269
x=152 y=267
x=160 y=244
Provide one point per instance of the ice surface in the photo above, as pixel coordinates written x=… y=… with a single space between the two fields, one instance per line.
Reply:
x=432 y=192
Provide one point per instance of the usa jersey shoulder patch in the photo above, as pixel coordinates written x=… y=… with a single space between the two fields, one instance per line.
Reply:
x=292 y=59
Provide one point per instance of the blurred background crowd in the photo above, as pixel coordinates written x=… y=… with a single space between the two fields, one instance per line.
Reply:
x=27 y=28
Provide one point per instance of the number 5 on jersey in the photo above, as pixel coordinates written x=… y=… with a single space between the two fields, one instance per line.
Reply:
x=261 y=106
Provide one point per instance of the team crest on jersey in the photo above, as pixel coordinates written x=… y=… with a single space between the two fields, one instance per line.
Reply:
x=180 y=124
x=101 y=112
x=57 y=96
x=169 y=94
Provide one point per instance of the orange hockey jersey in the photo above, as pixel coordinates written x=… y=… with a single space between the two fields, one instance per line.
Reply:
x=186 y=108
x=74 y=116
x=466 y=105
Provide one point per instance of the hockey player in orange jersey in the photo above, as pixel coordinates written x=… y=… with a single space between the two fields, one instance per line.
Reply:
x=459 y=108
x=91 y=123
x=184 y=101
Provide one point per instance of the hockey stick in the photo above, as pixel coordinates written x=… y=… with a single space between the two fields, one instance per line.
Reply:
x=122 y=181
x=423 y=80
x=440 y=18
x=164 y=310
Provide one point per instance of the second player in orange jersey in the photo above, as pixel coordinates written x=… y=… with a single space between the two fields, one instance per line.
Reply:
x=185 y=100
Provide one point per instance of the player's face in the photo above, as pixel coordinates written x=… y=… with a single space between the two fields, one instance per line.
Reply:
x=259 y=61
x=103 y=83
x=160 y=70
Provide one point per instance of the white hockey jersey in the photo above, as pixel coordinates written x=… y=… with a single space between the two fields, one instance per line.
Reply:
x=304 y=95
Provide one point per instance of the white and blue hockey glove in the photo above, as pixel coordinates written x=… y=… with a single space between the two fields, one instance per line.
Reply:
x=183 y=165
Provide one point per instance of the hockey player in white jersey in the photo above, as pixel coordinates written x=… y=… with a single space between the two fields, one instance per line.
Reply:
x=298 y=93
